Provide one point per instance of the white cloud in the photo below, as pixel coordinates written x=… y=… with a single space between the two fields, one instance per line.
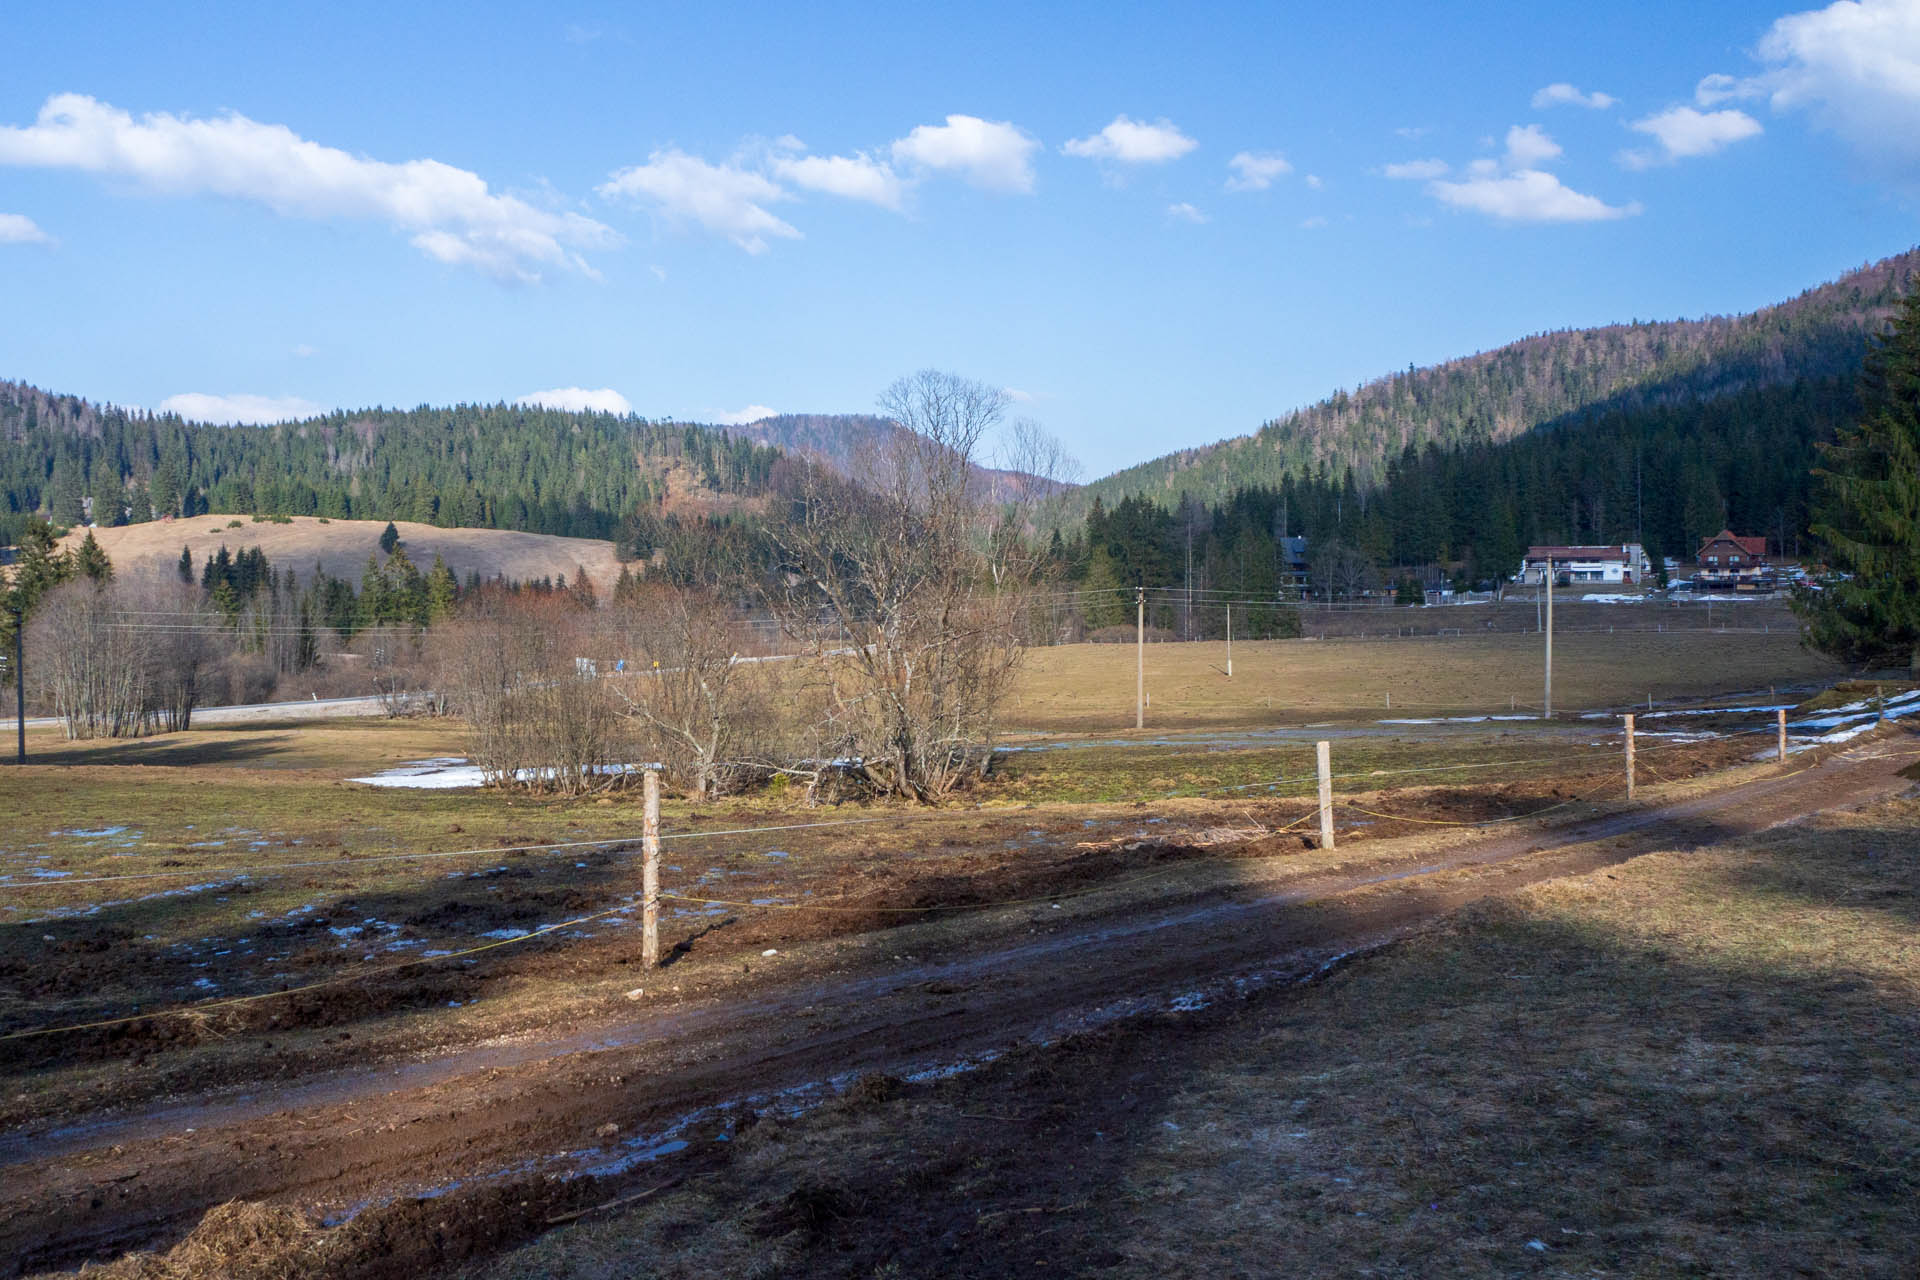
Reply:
x=855 y=177
x=198 y=406
x=1528 y=147
x=1313 y=224
x=1412 y=132
x=18 y=228
x=303 y=350
x=450 y=212
x=1683 y=132
x=1563 y=94
x=1186 y=212
x=1313 y=182
x=1256 y=170
x=578 y=400
x=990 y=154
x=723 y=199
x=1018 y=396
x=1128 y=141
x=1416 y=170
x=741 y=417
x=1527 y=196
x=1855 y=65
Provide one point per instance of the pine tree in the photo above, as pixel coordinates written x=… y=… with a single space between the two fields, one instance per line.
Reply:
x=109 y=496
x=185 y=567
x=442 y=588
x=1867 y=512
x=92 y=561
x=389 y=539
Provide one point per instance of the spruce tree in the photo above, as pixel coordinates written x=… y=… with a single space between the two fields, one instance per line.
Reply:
x=389 y=539
x=92 y=561
x=185 y=566
x=1867 y=511
x=442 y=589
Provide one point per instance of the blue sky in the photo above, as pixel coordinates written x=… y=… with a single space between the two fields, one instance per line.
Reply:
x=1156 y=225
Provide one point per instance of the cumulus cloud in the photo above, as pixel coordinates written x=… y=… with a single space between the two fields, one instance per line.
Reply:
x=1128 y=141
x=1855 y=66
x=451 y=214
x=578 y=400
x=1256 y=170
x=720 y=198
x=198 y=406
x=1563 y=94
x=1186 y=212
x=990 y=154
x=1416 y=170
x=1512 y=187
x=1684 y=132
x=1529 y=195
x=1528 y=147
x=741 y=417
x=18 y=228
x=855 y=177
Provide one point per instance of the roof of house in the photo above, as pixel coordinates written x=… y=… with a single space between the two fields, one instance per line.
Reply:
x=1615 y=552
x=1752 y=546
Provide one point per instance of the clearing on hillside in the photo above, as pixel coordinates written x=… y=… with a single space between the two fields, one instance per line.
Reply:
x=341 y=547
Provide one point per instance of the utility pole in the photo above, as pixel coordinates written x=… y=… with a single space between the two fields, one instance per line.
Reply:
x=1140 y=659
x=1547 y=714
x=1229 y=642
x=20 y=685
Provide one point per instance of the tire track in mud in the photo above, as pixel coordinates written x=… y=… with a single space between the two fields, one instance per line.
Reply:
x=900 y=1000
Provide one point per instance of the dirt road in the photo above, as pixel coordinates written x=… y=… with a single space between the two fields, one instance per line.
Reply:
x=483 y=1130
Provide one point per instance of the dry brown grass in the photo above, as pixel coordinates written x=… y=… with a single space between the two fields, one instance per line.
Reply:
x=237 y=1241
x=341 y=547
x=1091 y=687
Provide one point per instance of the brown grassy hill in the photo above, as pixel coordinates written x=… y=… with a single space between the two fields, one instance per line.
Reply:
x=341 y=547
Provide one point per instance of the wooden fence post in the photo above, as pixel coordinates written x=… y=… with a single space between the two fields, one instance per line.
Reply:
x=1780 y=718
x=1323 y=755
x=1629 y=720
x=650 y=874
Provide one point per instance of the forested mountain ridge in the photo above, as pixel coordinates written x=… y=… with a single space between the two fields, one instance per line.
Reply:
x=1541 y=381
x=849 y=443
x=488 y=466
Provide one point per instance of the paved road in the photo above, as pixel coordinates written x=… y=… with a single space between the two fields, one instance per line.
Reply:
x=312 y=709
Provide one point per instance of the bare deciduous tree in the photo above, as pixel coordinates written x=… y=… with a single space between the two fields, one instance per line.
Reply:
x=910 y=587
x=536 y=720
x=88 y=664
x=701 y=709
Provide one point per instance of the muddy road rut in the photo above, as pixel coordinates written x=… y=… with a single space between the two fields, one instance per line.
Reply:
x=660 y=1077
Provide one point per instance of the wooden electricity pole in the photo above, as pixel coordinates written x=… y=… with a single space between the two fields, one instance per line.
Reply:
x=1547 y=713
x=1140 y=659
x=20 y=686
x=650 y=873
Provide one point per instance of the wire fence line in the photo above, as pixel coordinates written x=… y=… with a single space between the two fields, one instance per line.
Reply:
x=348 y=861
x=202 y=1008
